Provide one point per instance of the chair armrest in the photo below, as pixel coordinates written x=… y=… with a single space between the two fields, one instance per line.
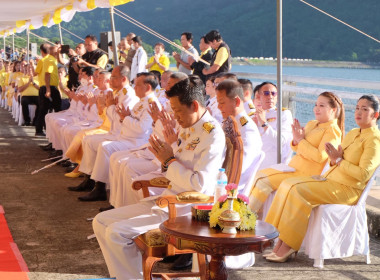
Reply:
x=144 y=185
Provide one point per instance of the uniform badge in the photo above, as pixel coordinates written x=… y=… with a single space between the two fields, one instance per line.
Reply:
x=208 y=127
x=125 y=91
x=192 y=129
x=140 y=108
x=183 y=135
x=251 y=114
x=243 y=121
x=271 y=119
x=284 y=109
x=251 y=106
x=151 y=100
x=179 y=150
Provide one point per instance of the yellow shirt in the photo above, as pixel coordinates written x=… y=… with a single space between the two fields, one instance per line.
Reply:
x=40 y=74
x=221 y=56
x=311 y=156
x=361 y=156
x=30 y=90
x=50 y=65
x=164 y=60
x=64 y=83
x=102 y=61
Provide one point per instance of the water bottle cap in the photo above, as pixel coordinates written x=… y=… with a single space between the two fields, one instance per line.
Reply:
x=222 y=169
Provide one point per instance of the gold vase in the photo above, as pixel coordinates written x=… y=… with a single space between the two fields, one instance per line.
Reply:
x=229 y=219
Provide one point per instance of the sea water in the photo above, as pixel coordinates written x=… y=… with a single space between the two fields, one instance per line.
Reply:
x=304 y=111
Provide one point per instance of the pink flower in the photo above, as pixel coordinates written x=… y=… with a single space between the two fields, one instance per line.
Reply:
x=231 y=188
x=223 y=198
x=243 y=198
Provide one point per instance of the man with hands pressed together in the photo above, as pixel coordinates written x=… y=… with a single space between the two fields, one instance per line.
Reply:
x=191 y=162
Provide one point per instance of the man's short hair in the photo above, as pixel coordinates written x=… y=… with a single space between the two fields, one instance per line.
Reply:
x=149 y=78
x=258 y=87
x=157 y=74
x=160 y=44
x=188 y=35
x=213 y=35
x=205 y=39
x=124 y=71
x=231 y=88
x=246 y=85
x=92 y=38
x=189 y=90
x=88 y=70
x=45 y=48
x=104 y=72
x=227 y=75
x=110 y=43
x=179 y=76
x=137 y=39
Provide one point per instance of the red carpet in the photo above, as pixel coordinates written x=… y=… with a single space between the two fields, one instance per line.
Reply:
x=11 y=260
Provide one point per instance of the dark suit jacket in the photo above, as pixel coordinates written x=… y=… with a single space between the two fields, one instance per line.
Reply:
x=199 y=66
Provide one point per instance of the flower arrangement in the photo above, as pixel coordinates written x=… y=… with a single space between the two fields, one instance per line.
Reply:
x=240 y=205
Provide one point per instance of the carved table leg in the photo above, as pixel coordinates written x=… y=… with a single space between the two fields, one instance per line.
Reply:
x=218 y=270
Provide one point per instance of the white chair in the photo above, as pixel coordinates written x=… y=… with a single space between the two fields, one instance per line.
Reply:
x=338 y=231
x=32 y=113
x=247 y=189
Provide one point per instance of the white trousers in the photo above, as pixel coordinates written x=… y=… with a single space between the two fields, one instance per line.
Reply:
x=102 y=162
x=55 y=122
x=125 y=167
x=90 y=146
x=115 y=230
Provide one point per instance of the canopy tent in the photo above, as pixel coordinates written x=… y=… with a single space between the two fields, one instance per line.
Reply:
x=17 y=16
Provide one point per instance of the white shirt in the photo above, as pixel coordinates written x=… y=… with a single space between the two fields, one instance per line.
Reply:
x=139 y=62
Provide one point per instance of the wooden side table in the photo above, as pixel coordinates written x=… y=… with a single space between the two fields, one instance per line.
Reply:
x=187 y=233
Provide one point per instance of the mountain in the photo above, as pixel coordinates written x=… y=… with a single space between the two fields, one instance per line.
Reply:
x=249 y=27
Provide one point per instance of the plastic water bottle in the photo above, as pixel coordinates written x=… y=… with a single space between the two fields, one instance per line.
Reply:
x=220 y=184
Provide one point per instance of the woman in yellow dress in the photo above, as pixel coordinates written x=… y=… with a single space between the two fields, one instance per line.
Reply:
x=309 y=145
x=352 y=165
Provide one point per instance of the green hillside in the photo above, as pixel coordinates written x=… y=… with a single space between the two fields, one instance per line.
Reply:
x=249 y=26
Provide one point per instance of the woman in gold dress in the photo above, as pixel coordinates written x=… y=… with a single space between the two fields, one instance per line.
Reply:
x=309 y=145
x=352 y=165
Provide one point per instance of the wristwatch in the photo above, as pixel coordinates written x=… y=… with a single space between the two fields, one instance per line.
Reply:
x=264 y=124
x=339 y=159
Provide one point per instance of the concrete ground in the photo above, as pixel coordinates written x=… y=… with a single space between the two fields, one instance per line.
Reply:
x=50 y=225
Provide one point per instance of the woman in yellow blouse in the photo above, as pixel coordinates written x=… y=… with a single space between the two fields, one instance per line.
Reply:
x=309 y=145
x=353 y=164
x=159 y=62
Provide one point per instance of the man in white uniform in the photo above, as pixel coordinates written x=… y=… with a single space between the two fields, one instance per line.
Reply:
x=126 y=166
x=139 y=59
x=191 y=163
x=136 y=129
x=249 y=107
x=125 y=97
x=266 y=120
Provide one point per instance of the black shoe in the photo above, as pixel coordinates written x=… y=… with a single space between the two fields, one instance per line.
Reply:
x=183 y=262
x=48 y=147
x=66 y=163
x=26 y=124
x=55 y=153
x=99 y=193
x=87 y=185
x=40 y=134
x=102 y=209
x=71 y=167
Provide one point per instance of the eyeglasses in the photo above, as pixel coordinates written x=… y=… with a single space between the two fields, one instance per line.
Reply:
x=273 y=93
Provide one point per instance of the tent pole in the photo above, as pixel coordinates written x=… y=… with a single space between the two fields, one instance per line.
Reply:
x=60 y=33
x=27 y=45
x=279 y=78
x=13 y=45
x=115 y=58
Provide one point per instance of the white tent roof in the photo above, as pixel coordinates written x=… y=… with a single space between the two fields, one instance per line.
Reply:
x=18 y=15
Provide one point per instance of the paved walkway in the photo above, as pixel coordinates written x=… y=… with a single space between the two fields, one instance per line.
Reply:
x=49 y=224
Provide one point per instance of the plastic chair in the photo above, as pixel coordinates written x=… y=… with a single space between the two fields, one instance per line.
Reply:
x=338 y=231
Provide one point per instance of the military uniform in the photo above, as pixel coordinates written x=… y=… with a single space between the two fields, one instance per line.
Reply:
x=249 y=107
x=215 y=112
x=134 y=133
x=199 y=154
x=126 y=98
x=269 y=137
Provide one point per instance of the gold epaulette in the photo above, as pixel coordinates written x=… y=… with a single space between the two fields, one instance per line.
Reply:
x=208 y=127
x=243 y=121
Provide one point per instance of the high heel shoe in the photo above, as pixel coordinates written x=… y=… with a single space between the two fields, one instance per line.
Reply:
x=284 y=258
x=270 y=254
